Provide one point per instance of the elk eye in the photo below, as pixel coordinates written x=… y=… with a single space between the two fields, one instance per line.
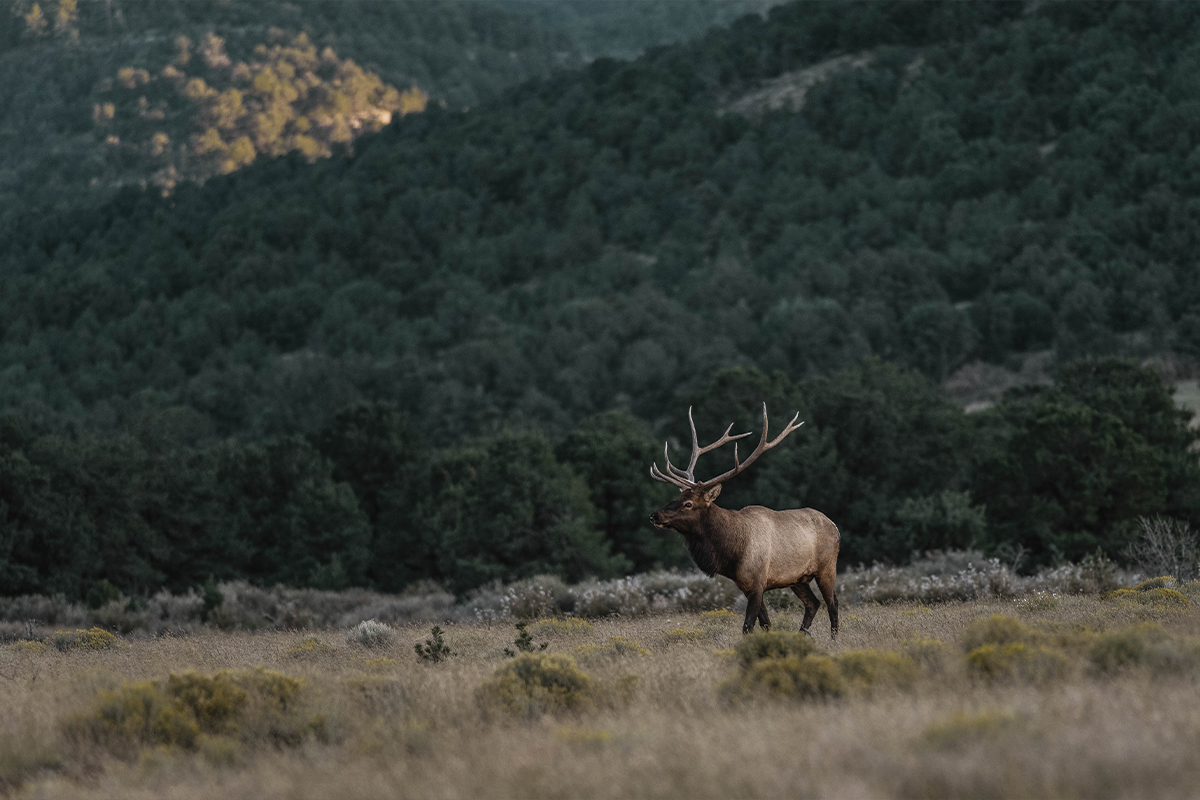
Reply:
x=688 y=504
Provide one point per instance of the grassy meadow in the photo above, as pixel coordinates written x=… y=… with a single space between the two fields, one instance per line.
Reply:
x=1065 y=696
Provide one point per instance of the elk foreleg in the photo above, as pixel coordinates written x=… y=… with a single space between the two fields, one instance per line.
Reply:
x=810 y=601
x=755 y=609
x=763 y=618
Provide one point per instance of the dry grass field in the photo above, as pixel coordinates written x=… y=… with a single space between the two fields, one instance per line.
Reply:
x=1074 y=696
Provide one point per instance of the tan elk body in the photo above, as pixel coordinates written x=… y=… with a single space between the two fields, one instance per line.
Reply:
x=758 y=548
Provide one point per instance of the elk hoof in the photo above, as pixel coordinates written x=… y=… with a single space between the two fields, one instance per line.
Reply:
x=806 y=633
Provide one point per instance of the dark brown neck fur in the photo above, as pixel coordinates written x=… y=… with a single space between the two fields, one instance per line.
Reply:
x=714 y=544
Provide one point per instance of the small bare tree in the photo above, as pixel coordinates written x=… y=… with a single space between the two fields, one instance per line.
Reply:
x=1166 y=547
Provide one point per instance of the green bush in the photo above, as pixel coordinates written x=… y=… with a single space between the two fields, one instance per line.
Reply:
x=91 y=639
x=1158 y=592
x=869 y=669
x=792 y=677
x=524 y=642
x=929 y=654
x=533 y=684
x=190 y=708
x=762 y=645
x=684 y=635
x=101 y=594
x=311 y=647
x=435 y=649
x=1146 y=644
x=213 y=701
x=1018 y=661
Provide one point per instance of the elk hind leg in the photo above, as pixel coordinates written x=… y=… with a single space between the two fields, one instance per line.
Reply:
x=754 y=609
x=810 y=601
x=825 y=582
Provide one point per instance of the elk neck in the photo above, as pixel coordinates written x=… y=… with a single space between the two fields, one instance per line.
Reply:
x=717 y=542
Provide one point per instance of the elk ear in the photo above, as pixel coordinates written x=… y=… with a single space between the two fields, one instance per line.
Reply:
x=711 y=494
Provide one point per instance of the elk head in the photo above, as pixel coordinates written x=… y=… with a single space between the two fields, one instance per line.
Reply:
x=696 y=497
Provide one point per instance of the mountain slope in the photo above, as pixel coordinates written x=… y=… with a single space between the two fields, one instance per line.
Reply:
x=99 y=95
x=994 y=180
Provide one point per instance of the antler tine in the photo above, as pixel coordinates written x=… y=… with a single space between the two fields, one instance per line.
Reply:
x=673 y=474
x=698 y=451
x=791 y=426
x=678 y=483
x=686 y=479
x=763 y=446
x=672 y=469
x=695 y=446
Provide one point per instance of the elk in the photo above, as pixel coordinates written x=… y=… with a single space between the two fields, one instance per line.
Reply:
x=758 y=548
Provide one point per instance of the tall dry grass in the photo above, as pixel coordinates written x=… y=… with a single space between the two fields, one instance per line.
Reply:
x=654 y=718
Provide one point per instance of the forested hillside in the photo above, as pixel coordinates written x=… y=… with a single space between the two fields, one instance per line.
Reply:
x=96 y=95
x=832 y=208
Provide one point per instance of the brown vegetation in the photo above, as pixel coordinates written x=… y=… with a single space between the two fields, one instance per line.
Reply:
x=984 y=697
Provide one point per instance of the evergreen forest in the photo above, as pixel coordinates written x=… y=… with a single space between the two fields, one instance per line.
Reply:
x=377 y=315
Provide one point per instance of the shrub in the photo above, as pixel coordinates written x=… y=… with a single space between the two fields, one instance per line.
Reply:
x=523 y=642
x=213 y=598
x=998 y=629
x=370 y=633
x=101 y=594
x=1146 y=644
x=1157 y=592
x=187 y=707
x=540 y=596
x=1166 y=547
x=927 y=653
x=435 y=649
x=212 y=701
x=275 y=690
x=311 y=647
x=670 y=590
x=1099 y=571
x=135 y=714
x=92 y=639
x=868 y=669
x=553 y=628
x=967 y=575
x=624 y=596
x=621 y=646
x=783 y=664
x=28 y=647
x=1018 y=661
x=538 y=683
x=792 y=677
x=762 y=645
x=680 y=635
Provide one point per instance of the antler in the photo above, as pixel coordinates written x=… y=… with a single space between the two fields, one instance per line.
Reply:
x=686 y=479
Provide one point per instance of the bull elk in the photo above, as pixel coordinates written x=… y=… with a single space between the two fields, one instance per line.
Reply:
x=758 y=548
